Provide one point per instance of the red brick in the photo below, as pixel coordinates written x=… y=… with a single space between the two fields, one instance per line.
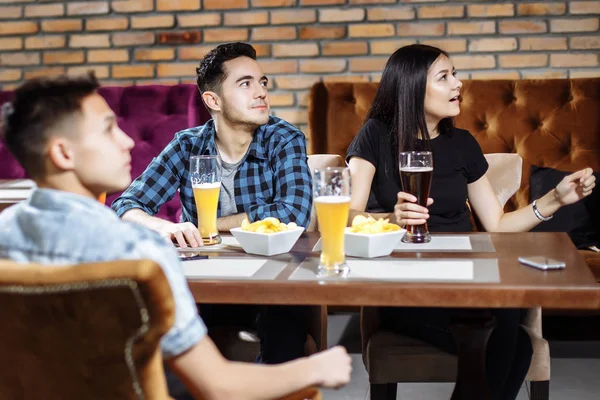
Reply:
x=370 y=30
x=293 y=17
x=39 y=72
x=63 y=57
x=574 y=25
x=262 y=50
x=176 y=69
x=108 y=56
x=523 y=60
x=322 y=65
x=11 y=12
x=573 y=60
x=45 y=42
x=474 y=62
x=168 y=82
x=278 y=67
x=421 y=29
x=390 y=13
x=95 y=40
x=427 y=12
x=177 y=5
x=541 y=9
x=222 y=5
x=154 y=21
x=592 y=73
x=106 y=24
x=132 y=6
x=154 y=54
x=198 y=20
x=44 y=10
x=132 y=38
x=274 y=33
x=522 y=26
x=281 y=99
x=581 y=42
x=448 y=45
x=273 y=3
x=133 y=71
x=543 y=43
x=487 y=75
x=344 y=48
x=88 y=8
x=543 y=74
x=14 y=43
x=321 y=2
x=293 y=116
x=292 y=82
x=471 y=28
x=496 y=44
x=491 y=10
x=62 y=25
x=388 y=46
x=584 y=7
x=367 y=64
x=341 y=15
x=10 y=75
x=100 y=71
x=193 y=52
x=19 y=59
x=18 y=28
x=372 y=1
x=322 y=32
x=303 y=98
x=295 y=50
x=247 y=18
x=225 y=35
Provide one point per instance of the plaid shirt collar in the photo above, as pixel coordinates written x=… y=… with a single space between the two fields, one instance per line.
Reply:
x=256 y=150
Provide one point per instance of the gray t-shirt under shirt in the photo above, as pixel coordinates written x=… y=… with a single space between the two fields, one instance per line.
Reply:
x=227 y=197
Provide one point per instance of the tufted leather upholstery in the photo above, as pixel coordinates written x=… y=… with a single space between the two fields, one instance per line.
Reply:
x=151 y=115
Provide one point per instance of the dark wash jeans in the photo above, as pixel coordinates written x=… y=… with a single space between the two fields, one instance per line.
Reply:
x=509 y=349
x=282 y=331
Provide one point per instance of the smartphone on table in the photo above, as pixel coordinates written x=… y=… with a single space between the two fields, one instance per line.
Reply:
x=541 y=262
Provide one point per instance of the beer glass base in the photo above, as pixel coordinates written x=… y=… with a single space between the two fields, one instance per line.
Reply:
x=212 y=241
x=408 y=238
x=340 y=270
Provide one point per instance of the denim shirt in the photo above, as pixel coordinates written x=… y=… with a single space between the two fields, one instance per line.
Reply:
x=56 y=227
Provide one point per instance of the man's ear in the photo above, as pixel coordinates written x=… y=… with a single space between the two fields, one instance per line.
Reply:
x=60 y=154
x=212 y=100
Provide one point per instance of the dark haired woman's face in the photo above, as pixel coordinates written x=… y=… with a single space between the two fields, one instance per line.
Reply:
x=443 y=89
x=244 y=92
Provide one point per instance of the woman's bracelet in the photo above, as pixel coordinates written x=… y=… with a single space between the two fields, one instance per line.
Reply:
x=538 y=214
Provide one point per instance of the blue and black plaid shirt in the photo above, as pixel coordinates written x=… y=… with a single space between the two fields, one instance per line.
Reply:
x=273 y=180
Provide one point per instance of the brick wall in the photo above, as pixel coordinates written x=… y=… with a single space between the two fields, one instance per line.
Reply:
x=298 y=41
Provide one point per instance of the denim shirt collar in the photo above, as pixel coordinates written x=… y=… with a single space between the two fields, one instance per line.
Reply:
x=256 y=150
x=62 y=201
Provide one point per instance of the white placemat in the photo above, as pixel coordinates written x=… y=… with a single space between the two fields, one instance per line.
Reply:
x=438 y=243
x=412 y=270
x=227 y=243
x=221 y=267
x=14 y=194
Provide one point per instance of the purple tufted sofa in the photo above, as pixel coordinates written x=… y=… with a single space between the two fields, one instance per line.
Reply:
x=151 y=115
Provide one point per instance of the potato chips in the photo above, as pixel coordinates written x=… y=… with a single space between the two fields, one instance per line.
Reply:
x=267 y=225
x=368 y=225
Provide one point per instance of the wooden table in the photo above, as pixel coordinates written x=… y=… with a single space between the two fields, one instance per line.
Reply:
x=513 y=286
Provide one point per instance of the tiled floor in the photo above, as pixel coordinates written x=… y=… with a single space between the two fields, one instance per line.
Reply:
x=572 y=378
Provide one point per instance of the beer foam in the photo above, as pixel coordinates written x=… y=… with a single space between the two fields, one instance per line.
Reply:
x=416 y=169
x=206 y=185
x=333 y=199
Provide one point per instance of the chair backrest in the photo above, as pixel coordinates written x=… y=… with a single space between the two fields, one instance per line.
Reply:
x=318 y=161
x=504 y=174
x=83 y=331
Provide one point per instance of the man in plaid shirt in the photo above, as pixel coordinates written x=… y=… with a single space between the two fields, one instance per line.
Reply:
x=269 y=177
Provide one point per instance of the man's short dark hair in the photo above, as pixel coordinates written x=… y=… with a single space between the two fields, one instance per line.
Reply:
x=39 y=105
x=210 y=74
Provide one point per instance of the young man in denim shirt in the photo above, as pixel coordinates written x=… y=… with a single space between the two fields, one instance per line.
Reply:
x=66 y=137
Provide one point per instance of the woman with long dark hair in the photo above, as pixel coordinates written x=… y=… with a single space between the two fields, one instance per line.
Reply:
x=413 y=109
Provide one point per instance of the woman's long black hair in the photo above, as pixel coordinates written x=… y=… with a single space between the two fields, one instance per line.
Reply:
x=400 y=98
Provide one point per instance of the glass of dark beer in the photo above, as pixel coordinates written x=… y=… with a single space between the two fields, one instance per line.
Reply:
x=416 y=171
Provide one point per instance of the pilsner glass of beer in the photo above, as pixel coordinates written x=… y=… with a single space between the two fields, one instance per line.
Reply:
x=206 y=181
x=416 y=171
x=332 y=201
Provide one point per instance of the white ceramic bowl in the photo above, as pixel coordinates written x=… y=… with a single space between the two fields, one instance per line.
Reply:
x=371 y=245
x=267 y=244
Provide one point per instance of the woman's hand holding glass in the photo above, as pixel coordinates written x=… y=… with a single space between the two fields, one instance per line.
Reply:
x=407 y=212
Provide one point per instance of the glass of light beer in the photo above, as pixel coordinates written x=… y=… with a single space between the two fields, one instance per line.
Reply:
x=416 y=171
x=332 y=201
x=206 y=183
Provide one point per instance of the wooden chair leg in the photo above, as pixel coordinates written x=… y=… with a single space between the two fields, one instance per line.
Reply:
x=383 y=391
x=539 y=390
